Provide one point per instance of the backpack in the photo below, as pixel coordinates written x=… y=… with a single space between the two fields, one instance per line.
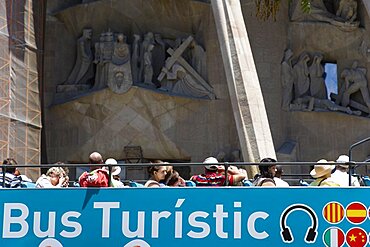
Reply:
x=95 y=178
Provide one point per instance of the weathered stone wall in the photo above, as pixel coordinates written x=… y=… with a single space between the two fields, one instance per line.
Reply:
x=317 y=134
x=166 y=127
x=194 y=128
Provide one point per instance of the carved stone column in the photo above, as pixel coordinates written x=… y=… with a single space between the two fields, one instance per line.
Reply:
x=244 y=88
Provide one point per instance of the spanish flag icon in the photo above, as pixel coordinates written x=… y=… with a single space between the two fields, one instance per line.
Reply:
x=356 y=213
x=333 y=212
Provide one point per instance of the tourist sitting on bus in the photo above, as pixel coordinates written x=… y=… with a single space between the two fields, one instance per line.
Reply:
x=157 y=176
x=267 y=169
x=116 y=170
x=267 y=182
x=55 y=177
x=278 y=181
x=175 y=180
x=322 y=174
x=215 y=175
x=340 y=176
x=12 y=180
x=97 y=177
x=173 y=176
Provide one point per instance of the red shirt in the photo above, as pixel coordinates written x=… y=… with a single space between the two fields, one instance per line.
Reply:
x=211 y=178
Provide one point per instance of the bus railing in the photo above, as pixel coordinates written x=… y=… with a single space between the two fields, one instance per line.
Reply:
x=352 y=164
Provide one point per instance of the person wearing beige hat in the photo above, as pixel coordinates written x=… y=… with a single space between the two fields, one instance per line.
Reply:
x=322 y=174
x=340 y=176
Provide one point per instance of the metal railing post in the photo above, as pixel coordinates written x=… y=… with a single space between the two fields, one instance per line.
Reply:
x=350 y=172
x=226 y=164
x=4 y=170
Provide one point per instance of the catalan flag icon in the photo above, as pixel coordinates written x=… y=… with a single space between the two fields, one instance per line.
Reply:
x=334 y=237
x=356 y=213
x=333 y=212
x=356 y=237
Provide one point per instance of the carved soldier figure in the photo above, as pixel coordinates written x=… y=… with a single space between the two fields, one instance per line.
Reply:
x=135 y=66
x=82 y=70
x=106 y=52
x=99 y=60
x=317 y=85
x=287 y=79
x=159 y=57
x=148 y=66
x=148 y=39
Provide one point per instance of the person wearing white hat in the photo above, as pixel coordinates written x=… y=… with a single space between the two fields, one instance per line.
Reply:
x=340 y=176
x=215 y=175
x=116 y=170
x=322 y=174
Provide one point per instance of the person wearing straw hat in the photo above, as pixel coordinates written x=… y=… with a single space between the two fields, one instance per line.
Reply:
x=340 y=176
x=322 y=174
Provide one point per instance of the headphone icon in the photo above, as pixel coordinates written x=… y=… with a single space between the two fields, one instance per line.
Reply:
x=311 y=233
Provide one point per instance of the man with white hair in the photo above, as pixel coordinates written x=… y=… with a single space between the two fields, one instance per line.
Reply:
x=340 y=176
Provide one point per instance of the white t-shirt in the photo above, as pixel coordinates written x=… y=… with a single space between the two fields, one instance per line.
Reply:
x=341 y=178
x=280 y=183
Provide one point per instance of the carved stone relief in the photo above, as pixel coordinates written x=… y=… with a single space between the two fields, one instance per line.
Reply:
x=147 y=65
x=344 y=16
x=304 y=86
x=354 y=81
x=82 y=71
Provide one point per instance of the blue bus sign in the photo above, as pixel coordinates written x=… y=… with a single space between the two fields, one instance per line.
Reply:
x=185 y=217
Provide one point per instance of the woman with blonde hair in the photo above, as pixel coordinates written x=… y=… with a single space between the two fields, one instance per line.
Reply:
x=55 y=177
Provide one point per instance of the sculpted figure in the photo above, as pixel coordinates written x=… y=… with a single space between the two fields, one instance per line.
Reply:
x=309 y=103
x=121 y=52
x=148 y=66
x=99 y=60
x=347 y=10
x=159 y=57
x=181 y=82
x=301 y=72
x=82 y=70
x=119 y=69
x=135 y=66
x=148 y=39
x=317 y=86
x=355 y=80
x=198 y=59
x=318 y=12
x=106 y=52
x=287 y=79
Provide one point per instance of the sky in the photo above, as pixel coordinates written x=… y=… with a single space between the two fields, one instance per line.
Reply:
x=331 y=79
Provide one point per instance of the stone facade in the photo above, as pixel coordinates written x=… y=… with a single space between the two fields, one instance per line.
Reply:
x=165 y=126
x=180 y=128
